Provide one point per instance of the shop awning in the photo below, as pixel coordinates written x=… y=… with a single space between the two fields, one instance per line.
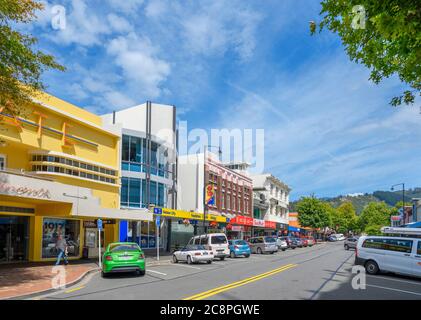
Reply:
x=291 y=228
x=121 y=214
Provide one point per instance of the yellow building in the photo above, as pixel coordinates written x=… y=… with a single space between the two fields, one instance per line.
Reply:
x=59 y=173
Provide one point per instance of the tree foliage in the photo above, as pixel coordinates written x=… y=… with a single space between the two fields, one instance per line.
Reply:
x=345 y=218
x=313 y=213
x=388 y=41
x=21 y=66
x=374 y=216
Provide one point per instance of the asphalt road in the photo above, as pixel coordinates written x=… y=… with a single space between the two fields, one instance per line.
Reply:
x=321 y=272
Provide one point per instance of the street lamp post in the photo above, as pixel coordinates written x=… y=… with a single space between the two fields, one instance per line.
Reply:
x=205 y=205
x=403 y=195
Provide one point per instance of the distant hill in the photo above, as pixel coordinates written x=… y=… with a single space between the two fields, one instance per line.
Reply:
x=360 y=200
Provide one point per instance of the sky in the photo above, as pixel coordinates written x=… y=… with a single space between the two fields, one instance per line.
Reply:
x=239 y=64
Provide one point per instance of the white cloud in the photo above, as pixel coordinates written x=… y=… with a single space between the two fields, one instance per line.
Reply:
x=118 y=23
x=139 y=61
x=126 y=6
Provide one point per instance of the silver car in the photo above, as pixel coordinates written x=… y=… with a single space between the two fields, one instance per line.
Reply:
x=281 y=243
x=351 y=243
x=263 y=245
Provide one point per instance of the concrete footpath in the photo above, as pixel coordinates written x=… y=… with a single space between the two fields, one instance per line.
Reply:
x=29 y=279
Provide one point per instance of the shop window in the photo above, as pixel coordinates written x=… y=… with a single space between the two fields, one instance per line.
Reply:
x=153 y=193
x=53 y=229
x=2 y=162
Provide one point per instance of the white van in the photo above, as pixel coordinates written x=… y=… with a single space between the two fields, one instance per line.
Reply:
x=215 y=242
x=401 y=255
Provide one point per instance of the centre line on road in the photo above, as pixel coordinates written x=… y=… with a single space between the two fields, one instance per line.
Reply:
x=149 y=270
x=215 y=291
x=75 y=289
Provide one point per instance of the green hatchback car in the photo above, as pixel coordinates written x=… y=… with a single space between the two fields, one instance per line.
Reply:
x=123 y=257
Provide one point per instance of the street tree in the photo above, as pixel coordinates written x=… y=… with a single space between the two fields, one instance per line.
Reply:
x=21 y=66
x=313 y=213
x=374 y=216
x=383 y=35
x=348 y=217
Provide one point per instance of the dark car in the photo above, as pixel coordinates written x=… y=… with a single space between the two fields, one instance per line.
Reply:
x=290 y=241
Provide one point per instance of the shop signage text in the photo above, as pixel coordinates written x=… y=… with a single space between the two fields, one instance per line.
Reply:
x=24 y=191
x=258 y=223
x=191 y=215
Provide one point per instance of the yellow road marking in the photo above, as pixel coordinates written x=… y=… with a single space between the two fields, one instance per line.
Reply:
x=75 y=289
x=212 y=292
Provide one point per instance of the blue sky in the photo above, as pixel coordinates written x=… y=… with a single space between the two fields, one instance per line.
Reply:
x=241 y=64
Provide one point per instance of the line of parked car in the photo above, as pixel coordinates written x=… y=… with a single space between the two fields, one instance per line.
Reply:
x=205 y=248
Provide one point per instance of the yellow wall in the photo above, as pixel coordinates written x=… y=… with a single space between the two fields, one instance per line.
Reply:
x=85 y=125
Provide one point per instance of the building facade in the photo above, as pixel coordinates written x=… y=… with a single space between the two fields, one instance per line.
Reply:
x=271 y=200
x=230 y=194
x=148 y=167
x=60 y=172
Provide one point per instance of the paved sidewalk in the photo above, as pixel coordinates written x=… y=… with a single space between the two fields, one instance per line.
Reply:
x=18 y=280
x=29 y=278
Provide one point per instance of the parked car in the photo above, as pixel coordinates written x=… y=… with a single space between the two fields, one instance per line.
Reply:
x=401 y=255
x=215 y=242
x=239 y=248
x=332 y=238
x=310 y=241
x=193 y=254
x=281 y=243
x=123 y=257
x=351 y=243
x=263 y=245
x=290 y=242
x=304 y=241
x=340 y=237
x=299 y=242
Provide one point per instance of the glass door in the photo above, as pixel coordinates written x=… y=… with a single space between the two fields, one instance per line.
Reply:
x=14 y=239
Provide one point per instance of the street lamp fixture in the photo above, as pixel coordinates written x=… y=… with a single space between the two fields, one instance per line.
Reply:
x=205 y=205
x=403 y=195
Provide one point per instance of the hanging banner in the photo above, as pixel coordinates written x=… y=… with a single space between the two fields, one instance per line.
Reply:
x=210 y=195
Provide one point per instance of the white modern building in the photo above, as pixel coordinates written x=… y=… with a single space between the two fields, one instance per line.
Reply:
x=148 y=164
x=271 y=200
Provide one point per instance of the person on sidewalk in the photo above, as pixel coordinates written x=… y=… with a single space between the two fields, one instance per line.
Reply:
x=61 y=245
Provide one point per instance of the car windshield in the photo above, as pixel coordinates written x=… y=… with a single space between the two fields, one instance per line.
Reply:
x=124 y=247
x=195 y=247
x=269 y=239
x=240 y=242
x=218 y=240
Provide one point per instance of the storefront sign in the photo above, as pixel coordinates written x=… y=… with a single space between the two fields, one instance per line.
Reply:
x=179 y=214
x=270 y=225
x=24 y=191
x=242 y=220
x=237 y=228
x=94 y=224
x=258 y=223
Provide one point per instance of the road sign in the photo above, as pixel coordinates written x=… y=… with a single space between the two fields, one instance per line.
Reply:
x=157 y=210
x=99 y=224
x=158 y=221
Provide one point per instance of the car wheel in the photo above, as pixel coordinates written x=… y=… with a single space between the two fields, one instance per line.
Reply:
x=174 y=259
x=247 y=255
x=103 y=274
x=189 y=261
x=283 y=249
x=346 y=247
x=259 y=251
x=140 y=272
x=222 y=258
x=272 y=252
x=232 y=254
x=371 y=267
x=209 y=261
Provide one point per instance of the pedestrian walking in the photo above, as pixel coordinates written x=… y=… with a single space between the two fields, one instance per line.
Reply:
x=61 y=246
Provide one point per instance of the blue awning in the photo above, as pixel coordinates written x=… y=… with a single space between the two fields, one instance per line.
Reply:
x=290 y=228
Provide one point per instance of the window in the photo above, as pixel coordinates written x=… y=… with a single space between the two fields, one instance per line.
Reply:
x=69 y=231
x=153 y=193
x=2 y=162
x=125 y=147
x=134 y=192
x=161 y=195
x=223 y=201
x=419 y=248
x=396 y=245
x=218 y=240
x=228 y=202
